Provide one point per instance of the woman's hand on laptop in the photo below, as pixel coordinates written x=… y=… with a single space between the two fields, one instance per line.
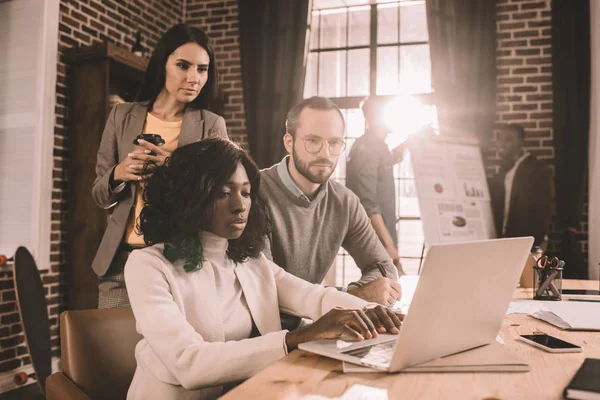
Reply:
x=385 y=319
x=357 y=324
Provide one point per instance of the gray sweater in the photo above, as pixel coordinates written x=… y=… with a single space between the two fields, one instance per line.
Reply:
x=307 y=236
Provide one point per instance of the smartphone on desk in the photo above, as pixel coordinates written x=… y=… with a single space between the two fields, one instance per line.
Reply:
x=550 y=343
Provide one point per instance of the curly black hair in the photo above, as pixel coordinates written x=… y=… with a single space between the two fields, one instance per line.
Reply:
x=179 y=198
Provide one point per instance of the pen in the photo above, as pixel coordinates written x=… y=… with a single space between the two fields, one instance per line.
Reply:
x=586 y=300
x=382 y=270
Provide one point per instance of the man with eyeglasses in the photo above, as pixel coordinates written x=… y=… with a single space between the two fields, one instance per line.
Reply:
x=313 y=216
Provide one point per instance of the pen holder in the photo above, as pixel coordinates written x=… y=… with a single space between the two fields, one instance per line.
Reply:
x=547 y=283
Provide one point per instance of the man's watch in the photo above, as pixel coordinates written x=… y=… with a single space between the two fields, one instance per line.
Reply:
x=351 y=284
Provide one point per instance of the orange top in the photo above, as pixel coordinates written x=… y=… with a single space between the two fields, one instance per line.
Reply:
x=170 y=133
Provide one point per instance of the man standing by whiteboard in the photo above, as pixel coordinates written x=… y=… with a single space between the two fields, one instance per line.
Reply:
x=522 y=191
x=370 y=175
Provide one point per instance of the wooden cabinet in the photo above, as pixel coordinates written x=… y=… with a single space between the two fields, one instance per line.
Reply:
x=97 y=74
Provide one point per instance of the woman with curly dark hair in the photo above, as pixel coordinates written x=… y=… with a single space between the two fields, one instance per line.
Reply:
x=205 y=299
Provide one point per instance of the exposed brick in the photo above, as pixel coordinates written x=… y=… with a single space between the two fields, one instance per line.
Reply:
x=539 y=79
x=16 y=328
x=538 y=133
x=511 y=25
x=531 y=22
x=519 y=71
x=539 y=24
x=526 y=34
x=510 y=80
x=79 y=17
x=538 y=60
x=540 y=42
x=70 y=22
x=532 y=6
x=513 y=43
x=544 y=115
x=8 y=295
x=509 y=61
x=506 y=8
x=527 y=52
x=213 y=5
x=525 y=15
x=525 y=107
x=513 y=117
x=9 y=365
x=11 y=342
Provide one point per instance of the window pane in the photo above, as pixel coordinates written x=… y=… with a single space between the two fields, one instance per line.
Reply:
x=354 y=128
x=408 y=202
x=413 y=22
x=333 y=28
x=415 y=69
x=410 y=238
x=355 y=124
x=318 y=4
x=360 y=27
x=310 y=80
x=410 y=265
x=387 y=70
x=332 y=74
x=358 y=72
x=387 y=23
x=314 y=31
x=346 y=270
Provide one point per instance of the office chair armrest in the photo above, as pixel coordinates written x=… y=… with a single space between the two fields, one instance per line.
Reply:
x=60 y=387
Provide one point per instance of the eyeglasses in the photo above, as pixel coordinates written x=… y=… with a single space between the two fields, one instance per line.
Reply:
x=314 y=146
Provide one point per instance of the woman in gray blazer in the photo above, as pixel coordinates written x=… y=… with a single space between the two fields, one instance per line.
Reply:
x=179 y=85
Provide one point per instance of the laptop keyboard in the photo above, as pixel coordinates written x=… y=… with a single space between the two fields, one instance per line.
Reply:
x=380 y=353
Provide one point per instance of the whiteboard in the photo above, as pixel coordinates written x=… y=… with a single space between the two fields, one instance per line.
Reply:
x=452 y=189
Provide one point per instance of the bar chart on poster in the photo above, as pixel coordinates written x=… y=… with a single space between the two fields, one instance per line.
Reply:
x=452 y=189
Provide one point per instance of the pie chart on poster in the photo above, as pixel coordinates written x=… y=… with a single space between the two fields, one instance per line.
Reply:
x=459 y=222
x=438 y=188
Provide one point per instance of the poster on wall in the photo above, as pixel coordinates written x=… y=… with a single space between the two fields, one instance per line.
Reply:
x=452 y=189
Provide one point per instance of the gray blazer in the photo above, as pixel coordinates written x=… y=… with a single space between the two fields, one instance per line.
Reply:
x=124 y=123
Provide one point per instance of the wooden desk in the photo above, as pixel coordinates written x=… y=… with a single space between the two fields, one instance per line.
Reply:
x=302 y=373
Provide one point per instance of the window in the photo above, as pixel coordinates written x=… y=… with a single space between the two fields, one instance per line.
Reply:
x=29 y=43
x=359 y=50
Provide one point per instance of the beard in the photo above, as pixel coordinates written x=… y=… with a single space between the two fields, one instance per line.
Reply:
x=304 y=168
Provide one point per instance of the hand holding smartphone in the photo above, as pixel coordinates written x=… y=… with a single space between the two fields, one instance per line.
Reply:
x=550 y=344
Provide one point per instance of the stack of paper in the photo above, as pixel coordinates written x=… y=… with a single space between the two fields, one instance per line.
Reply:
x=573 y=315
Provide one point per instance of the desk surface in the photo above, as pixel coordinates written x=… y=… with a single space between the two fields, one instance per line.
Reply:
x=301 y=373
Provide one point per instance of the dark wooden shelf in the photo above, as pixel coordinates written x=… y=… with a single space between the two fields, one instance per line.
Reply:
x=104 y=50
x=95 y=72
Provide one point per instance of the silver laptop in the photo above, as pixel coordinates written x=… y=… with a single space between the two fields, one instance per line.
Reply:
x=459 y=304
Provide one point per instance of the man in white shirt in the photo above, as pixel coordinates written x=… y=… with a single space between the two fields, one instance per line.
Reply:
x=522 y=191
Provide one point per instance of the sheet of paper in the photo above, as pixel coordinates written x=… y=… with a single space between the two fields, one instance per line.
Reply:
x=408 y=283
x=525 y=307
x=579 y=315
x=356 y=392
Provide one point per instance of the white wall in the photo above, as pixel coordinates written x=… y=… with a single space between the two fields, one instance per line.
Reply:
x=594 y=155
x=29 y=45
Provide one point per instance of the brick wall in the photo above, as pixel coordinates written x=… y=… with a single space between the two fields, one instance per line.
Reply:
x=80 y=23
x=219 y=19
x=524 y=84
